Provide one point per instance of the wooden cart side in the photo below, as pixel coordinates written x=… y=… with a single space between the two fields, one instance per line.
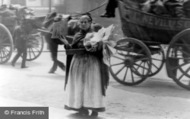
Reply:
x=150 y=27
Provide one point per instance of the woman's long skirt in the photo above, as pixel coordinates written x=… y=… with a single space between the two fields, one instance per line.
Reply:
x=84 y=84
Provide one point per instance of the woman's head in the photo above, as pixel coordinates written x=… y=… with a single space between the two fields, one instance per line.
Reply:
x=85 y=22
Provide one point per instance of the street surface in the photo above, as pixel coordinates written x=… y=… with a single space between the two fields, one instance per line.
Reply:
x=155 y=98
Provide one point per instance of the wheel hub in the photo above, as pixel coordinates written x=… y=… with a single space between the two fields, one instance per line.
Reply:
x=129 y=61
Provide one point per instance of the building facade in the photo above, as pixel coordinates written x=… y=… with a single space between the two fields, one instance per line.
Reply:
x=33 y=3
x=63 y=6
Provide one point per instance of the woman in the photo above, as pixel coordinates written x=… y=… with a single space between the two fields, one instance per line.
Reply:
x=88 y=75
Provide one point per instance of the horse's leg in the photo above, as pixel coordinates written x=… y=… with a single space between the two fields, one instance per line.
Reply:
x=53 y=68
x=53 y=49
x=61 y=65
x=47 y=38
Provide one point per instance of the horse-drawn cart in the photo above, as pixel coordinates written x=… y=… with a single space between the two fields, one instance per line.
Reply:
x=140 y=54
x=7 y=27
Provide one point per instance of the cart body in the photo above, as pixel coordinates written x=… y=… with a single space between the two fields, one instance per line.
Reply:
x=140 y=55
x=8 y=24
x=147 y=26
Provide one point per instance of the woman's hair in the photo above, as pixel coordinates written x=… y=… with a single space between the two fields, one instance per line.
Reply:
x=89 y=15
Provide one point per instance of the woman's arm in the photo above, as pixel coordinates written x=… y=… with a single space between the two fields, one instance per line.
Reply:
x=76 y=40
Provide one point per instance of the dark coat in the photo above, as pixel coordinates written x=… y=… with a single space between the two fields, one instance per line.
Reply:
x=19 y=37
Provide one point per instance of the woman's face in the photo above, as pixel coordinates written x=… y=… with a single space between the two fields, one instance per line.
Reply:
x=84 y=23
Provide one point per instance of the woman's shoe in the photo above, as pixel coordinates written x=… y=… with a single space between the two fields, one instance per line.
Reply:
x=84 y=112
x=24 y=67
x=94 y=114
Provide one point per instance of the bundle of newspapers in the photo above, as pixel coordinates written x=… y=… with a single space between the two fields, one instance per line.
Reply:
x=104 y=35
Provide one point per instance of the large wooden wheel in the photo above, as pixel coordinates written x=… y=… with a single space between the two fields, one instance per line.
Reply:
x=6 y=44
x=34 y=46
x=131 y=62
x=158 y=59
x=178 y=59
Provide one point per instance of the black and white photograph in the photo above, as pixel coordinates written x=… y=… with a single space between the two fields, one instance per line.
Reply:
x=94 y=59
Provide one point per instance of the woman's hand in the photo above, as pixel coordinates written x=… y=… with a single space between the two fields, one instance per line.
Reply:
x=67 y=46
x=93 y=48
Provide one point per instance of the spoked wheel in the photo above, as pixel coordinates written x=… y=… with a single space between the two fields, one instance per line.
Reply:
x=158 y=59
x=131 y=62
x=6 y=44
x=178 y=59
x=34 y=46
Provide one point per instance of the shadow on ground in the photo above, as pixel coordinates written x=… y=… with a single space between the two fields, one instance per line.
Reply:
x=75 y=116
x=156 y=87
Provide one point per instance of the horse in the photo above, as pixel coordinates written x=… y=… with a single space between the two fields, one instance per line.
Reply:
x=50 y=21
x=71 y=30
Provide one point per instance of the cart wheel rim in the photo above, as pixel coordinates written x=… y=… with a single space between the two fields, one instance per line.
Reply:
x=158 y=60
x=35 y=47
x=130 y=66
x=178 y=59
x=6 y=44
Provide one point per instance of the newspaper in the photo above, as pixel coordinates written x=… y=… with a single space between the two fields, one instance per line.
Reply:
x=105 y=35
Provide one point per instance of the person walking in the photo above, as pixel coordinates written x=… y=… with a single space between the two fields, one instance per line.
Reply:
x=20 y=35
x=110 y=9
x=87 y=76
